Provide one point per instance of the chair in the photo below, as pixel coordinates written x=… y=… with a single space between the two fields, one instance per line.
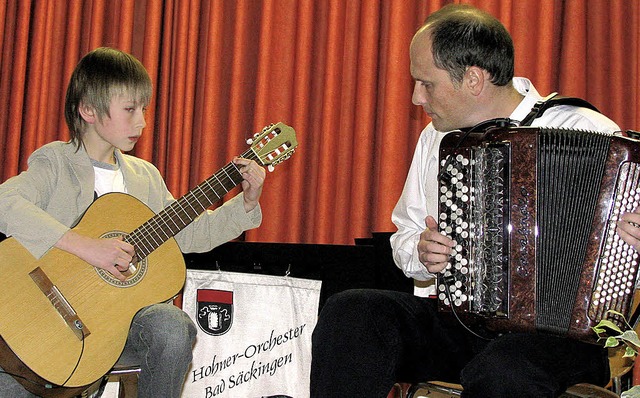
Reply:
x=125 y=374
x=446 y=390
x=127 y=378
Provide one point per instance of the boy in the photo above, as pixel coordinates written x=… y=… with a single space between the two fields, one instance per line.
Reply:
x=104 y=109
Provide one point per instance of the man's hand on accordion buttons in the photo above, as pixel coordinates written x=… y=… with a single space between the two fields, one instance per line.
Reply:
x=629 y=228
x=434 y=248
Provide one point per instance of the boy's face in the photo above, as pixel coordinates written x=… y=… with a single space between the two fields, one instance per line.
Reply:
x=122 y=127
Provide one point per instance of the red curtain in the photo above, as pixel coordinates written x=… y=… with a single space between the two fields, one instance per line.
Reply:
x=335 y=70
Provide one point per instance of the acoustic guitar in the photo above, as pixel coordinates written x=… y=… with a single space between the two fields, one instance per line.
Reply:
x=68 y=321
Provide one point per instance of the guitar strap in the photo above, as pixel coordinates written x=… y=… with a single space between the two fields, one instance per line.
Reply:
x=554 y=100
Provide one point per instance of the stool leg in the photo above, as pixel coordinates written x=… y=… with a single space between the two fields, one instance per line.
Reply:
x=128 y=386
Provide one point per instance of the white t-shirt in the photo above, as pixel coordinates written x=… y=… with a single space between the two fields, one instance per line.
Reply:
x=109 y=178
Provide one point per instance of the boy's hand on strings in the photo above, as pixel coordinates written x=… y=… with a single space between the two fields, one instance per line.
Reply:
x=113 y=254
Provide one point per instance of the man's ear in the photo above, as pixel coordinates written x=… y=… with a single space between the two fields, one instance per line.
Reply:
x=88 y=113
x=475 y=79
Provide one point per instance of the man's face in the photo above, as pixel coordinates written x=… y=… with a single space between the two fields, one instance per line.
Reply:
x=444 y=100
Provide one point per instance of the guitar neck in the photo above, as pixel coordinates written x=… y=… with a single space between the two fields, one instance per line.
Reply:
x=175 y=217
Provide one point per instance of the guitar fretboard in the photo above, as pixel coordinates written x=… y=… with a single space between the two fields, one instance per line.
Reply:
x=175 y=217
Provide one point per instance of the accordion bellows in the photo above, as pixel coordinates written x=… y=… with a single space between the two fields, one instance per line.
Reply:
x=533 y=212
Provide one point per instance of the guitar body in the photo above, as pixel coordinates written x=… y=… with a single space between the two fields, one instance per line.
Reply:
x=35 y=329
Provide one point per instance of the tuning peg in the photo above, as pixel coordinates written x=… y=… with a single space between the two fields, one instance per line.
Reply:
x=249 y=141
x=270 y=168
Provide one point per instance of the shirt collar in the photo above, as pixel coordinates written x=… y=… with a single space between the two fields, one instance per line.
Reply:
x=531 y=96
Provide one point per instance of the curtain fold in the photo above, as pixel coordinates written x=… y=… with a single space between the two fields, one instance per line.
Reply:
x=337 y=71
x=14 y=72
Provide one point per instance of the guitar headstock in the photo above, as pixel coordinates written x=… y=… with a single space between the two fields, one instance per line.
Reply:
x=274 y=144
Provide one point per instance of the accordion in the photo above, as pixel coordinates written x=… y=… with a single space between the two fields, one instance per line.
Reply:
x=533 y=212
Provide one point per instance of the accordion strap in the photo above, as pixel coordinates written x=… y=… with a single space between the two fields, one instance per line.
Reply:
x=554 y=100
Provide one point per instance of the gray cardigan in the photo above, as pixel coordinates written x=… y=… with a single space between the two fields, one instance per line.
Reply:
x=39 y=205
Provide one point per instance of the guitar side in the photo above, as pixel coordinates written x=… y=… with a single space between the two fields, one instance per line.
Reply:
x=34 y=328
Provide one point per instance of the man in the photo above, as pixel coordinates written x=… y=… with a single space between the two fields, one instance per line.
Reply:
x=366 y=340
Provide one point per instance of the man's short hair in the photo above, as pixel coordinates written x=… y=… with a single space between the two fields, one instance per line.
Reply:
x=464 y=36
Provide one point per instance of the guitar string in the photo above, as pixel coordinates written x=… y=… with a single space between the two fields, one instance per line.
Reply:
x=160 y=223
x=145 y=245
x=149 y=225
x=150 y=230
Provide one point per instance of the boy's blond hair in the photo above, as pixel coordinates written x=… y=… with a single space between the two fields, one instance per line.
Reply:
x=99 y=76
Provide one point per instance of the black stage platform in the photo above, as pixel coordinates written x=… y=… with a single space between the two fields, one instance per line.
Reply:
x=367 y=264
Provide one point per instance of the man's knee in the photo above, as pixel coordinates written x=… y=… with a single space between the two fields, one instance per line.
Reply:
x=501 y=370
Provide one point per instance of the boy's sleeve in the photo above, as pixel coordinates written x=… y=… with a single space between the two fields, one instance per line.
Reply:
x=215 y=227
x=22 y=202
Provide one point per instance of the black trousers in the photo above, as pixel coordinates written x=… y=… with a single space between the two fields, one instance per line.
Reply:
x=367 y=340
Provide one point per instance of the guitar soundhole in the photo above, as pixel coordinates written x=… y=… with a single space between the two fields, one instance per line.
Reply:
x=138 y=270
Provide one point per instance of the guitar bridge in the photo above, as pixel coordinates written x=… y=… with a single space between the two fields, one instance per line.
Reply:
x=60 y=303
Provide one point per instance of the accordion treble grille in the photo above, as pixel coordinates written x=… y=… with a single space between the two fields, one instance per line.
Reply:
x=570 y=170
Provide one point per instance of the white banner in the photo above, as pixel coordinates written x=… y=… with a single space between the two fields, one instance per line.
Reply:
x=254 y=334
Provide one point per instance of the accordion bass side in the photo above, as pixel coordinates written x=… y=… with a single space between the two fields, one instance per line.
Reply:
x=533 y=212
